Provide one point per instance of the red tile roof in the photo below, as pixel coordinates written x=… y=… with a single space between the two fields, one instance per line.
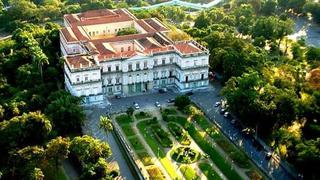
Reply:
x=187 y=48
x=156 y=24
x=69 y=36
x=145 y=26
x=76 y=62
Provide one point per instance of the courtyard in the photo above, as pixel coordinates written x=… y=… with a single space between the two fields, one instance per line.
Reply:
x=168 y=143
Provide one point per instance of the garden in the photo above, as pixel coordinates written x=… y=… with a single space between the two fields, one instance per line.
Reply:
x=176 y=143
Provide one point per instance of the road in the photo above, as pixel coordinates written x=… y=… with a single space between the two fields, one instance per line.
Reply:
x=206 y=100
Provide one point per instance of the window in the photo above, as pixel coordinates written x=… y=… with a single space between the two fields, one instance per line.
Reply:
x=110 y=89
x=78 y=78
x=171 y=60
x=202 y=76
x=97 y=32
x=109 y=81
x=104 y=31
x=163 y=61
x=138 y=66
x=117 y=67
x=187 y=78
x=163 y=74
x=89 y=33
x=118 y=80
x=130 y=67
x=155 y=74
x=195 y=62
x=109 y=68
x=170 y=73
x=129 y=48
x=122 y=49
x=155 y=62
x=145 y=64
x=86 y=78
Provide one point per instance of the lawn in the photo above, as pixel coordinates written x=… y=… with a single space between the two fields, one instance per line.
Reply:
x=142 y=115
x=127 y=129
x=154 y=145
x=208 y=171
x=124 y=119
x=161 y=136
x=145 y=158
x=189 y=173
x=136 y=143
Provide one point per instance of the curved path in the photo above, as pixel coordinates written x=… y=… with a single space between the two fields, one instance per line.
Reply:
x=197 y=6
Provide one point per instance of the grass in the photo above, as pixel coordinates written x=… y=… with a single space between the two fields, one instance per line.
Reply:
x=170 y=111
x=161 y=136
x=166 y=163
x=155 y=174
x=145 y=158
x=124 y=119
x=206 y=146
x=136 y=144
x=188 y=172
x=142 y=115
x=236 y=155
x=208 y=171
x=127 y=129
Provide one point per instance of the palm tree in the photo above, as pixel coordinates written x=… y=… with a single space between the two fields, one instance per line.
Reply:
x=105 y=124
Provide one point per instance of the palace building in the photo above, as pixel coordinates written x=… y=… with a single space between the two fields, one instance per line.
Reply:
x=99 y=62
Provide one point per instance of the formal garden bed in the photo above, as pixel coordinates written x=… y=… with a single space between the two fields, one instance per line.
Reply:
x=172 y=139
x=185 y=155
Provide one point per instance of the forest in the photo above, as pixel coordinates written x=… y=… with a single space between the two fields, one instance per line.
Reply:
x=271 y=83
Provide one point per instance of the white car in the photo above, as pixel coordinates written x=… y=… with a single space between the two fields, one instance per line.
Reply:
x=136 y=106
x=157 y=104
x=227 y=115
x=218 y=103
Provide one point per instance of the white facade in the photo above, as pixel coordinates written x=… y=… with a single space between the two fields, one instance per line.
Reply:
x=97 y=68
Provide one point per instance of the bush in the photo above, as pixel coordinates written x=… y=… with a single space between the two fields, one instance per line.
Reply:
x=127 y=31
x=161 y=136
x=182 y=101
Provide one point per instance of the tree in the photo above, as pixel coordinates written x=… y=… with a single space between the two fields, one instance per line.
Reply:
x=182 y=101
x=106 y=124
x=28 y=129
x=65 y=113
x=89 y=150
x=268 y=7
x=130 y=111
x=57 y=150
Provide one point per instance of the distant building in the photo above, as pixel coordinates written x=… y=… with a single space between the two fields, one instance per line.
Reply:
x=99 y=63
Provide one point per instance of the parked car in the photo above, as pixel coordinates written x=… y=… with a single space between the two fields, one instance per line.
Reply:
x=170 y=100
x=218 y=103
x=222 y=111
x=163 y=90
x=117 y=96
x=227 y=115
x=136 y=105
x=157 y=104
x=268 y=155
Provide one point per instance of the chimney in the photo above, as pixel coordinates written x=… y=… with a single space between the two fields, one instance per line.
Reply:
x=80 y=65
